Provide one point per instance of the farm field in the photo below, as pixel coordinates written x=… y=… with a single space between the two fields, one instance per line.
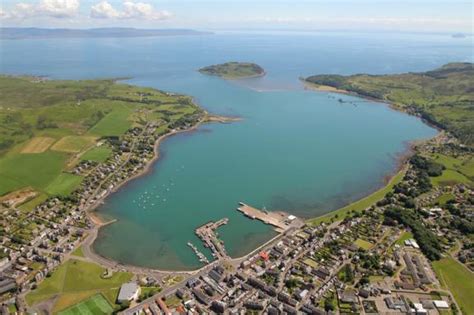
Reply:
x=459 y=280
x=97 y=154
x=75 y=281
x=48 y=126
x=73 y=144
x=38 y=145
x=64 y=184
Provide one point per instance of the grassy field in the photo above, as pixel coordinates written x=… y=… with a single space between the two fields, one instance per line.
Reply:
x=38 y=145
x=458 y=170
x=96 y=304
x=37 y=170
x=114 y=123
x=405 y=236
x=459 y=280
x=234 y=70
x=97 y=154
x=64 y=184
x=360 y=204
x=46 y=126
x=73 y=144
x=363 y=244
x=442 y=96
x=75 y=281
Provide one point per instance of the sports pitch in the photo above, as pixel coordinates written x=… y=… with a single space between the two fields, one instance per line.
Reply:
x=96 y=304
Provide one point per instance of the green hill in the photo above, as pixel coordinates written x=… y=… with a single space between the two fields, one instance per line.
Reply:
x=444 y=96
x=47 y=125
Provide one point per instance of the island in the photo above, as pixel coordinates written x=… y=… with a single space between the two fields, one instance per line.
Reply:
x=234 y=70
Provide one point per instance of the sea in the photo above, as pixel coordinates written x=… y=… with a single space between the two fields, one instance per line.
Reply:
x=297 y=150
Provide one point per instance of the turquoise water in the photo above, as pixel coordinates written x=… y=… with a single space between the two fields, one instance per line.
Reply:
x=300 y=151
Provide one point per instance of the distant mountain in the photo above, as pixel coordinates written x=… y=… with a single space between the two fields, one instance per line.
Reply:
x=24 y=33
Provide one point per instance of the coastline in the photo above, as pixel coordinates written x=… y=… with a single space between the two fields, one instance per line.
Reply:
x=390 y=179
x=98 y=222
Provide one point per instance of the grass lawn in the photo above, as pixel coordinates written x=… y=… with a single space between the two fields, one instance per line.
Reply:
x=114 y=123
x=310 y=263
x=96 y=304
x=405 y=236
x=78 y=252
x=73 y=144
x=450 y=177
x=360 y=204
x=363 y=244
x=459 y=280
x=64 y=184
x=31 y=204
x=97 y=154
x=37 y=170
x=444 y=198
x=75 y=281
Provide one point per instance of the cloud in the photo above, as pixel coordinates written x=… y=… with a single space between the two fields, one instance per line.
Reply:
x=104 y=10
x=131 y=10
x=48 y=8
x=59 y=8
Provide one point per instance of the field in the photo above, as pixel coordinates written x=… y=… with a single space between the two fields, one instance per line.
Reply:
x=38 y=145
x=38 y=170
x=458 y=170
x=64 y=184
x=405 y=236
x=47 y=126
x=96 y=304
x=459 y=280
x=75 y=281
x=73 y=144
x=114 y=123
x=97 y=154
x=363 y=244
x=360 y=204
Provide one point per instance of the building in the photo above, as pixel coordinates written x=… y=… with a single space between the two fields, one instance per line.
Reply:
x=128 y=292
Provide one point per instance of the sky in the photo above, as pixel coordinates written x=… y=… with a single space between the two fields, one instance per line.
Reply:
x=370 y=15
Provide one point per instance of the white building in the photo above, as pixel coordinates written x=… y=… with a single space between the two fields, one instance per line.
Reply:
x=128 y=292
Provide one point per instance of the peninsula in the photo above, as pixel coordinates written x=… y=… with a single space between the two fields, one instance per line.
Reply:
x=234 y=70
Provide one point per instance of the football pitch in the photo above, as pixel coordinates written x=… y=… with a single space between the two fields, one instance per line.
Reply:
x=96 y=304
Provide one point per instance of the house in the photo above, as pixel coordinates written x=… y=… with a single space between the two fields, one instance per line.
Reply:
x=128 y=292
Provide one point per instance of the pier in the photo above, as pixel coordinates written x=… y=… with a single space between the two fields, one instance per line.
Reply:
x=207 y=233
x=280 y=220
x=201 y=256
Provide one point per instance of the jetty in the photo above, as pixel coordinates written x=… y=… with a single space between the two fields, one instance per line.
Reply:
x=207 y=233
x=201 y=256
x=280 y=220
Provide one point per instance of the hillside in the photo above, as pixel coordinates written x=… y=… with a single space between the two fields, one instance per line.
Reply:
x=444 y=96
x=47 y=126
x=234 y=70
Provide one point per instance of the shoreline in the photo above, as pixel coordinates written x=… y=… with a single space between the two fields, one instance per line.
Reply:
x=391 y=177
x=99 y=222
x=401 y=159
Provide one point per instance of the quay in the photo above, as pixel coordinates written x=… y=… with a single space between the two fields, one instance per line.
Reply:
x=280 y=220
x=201 y=256
x=207 y=233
